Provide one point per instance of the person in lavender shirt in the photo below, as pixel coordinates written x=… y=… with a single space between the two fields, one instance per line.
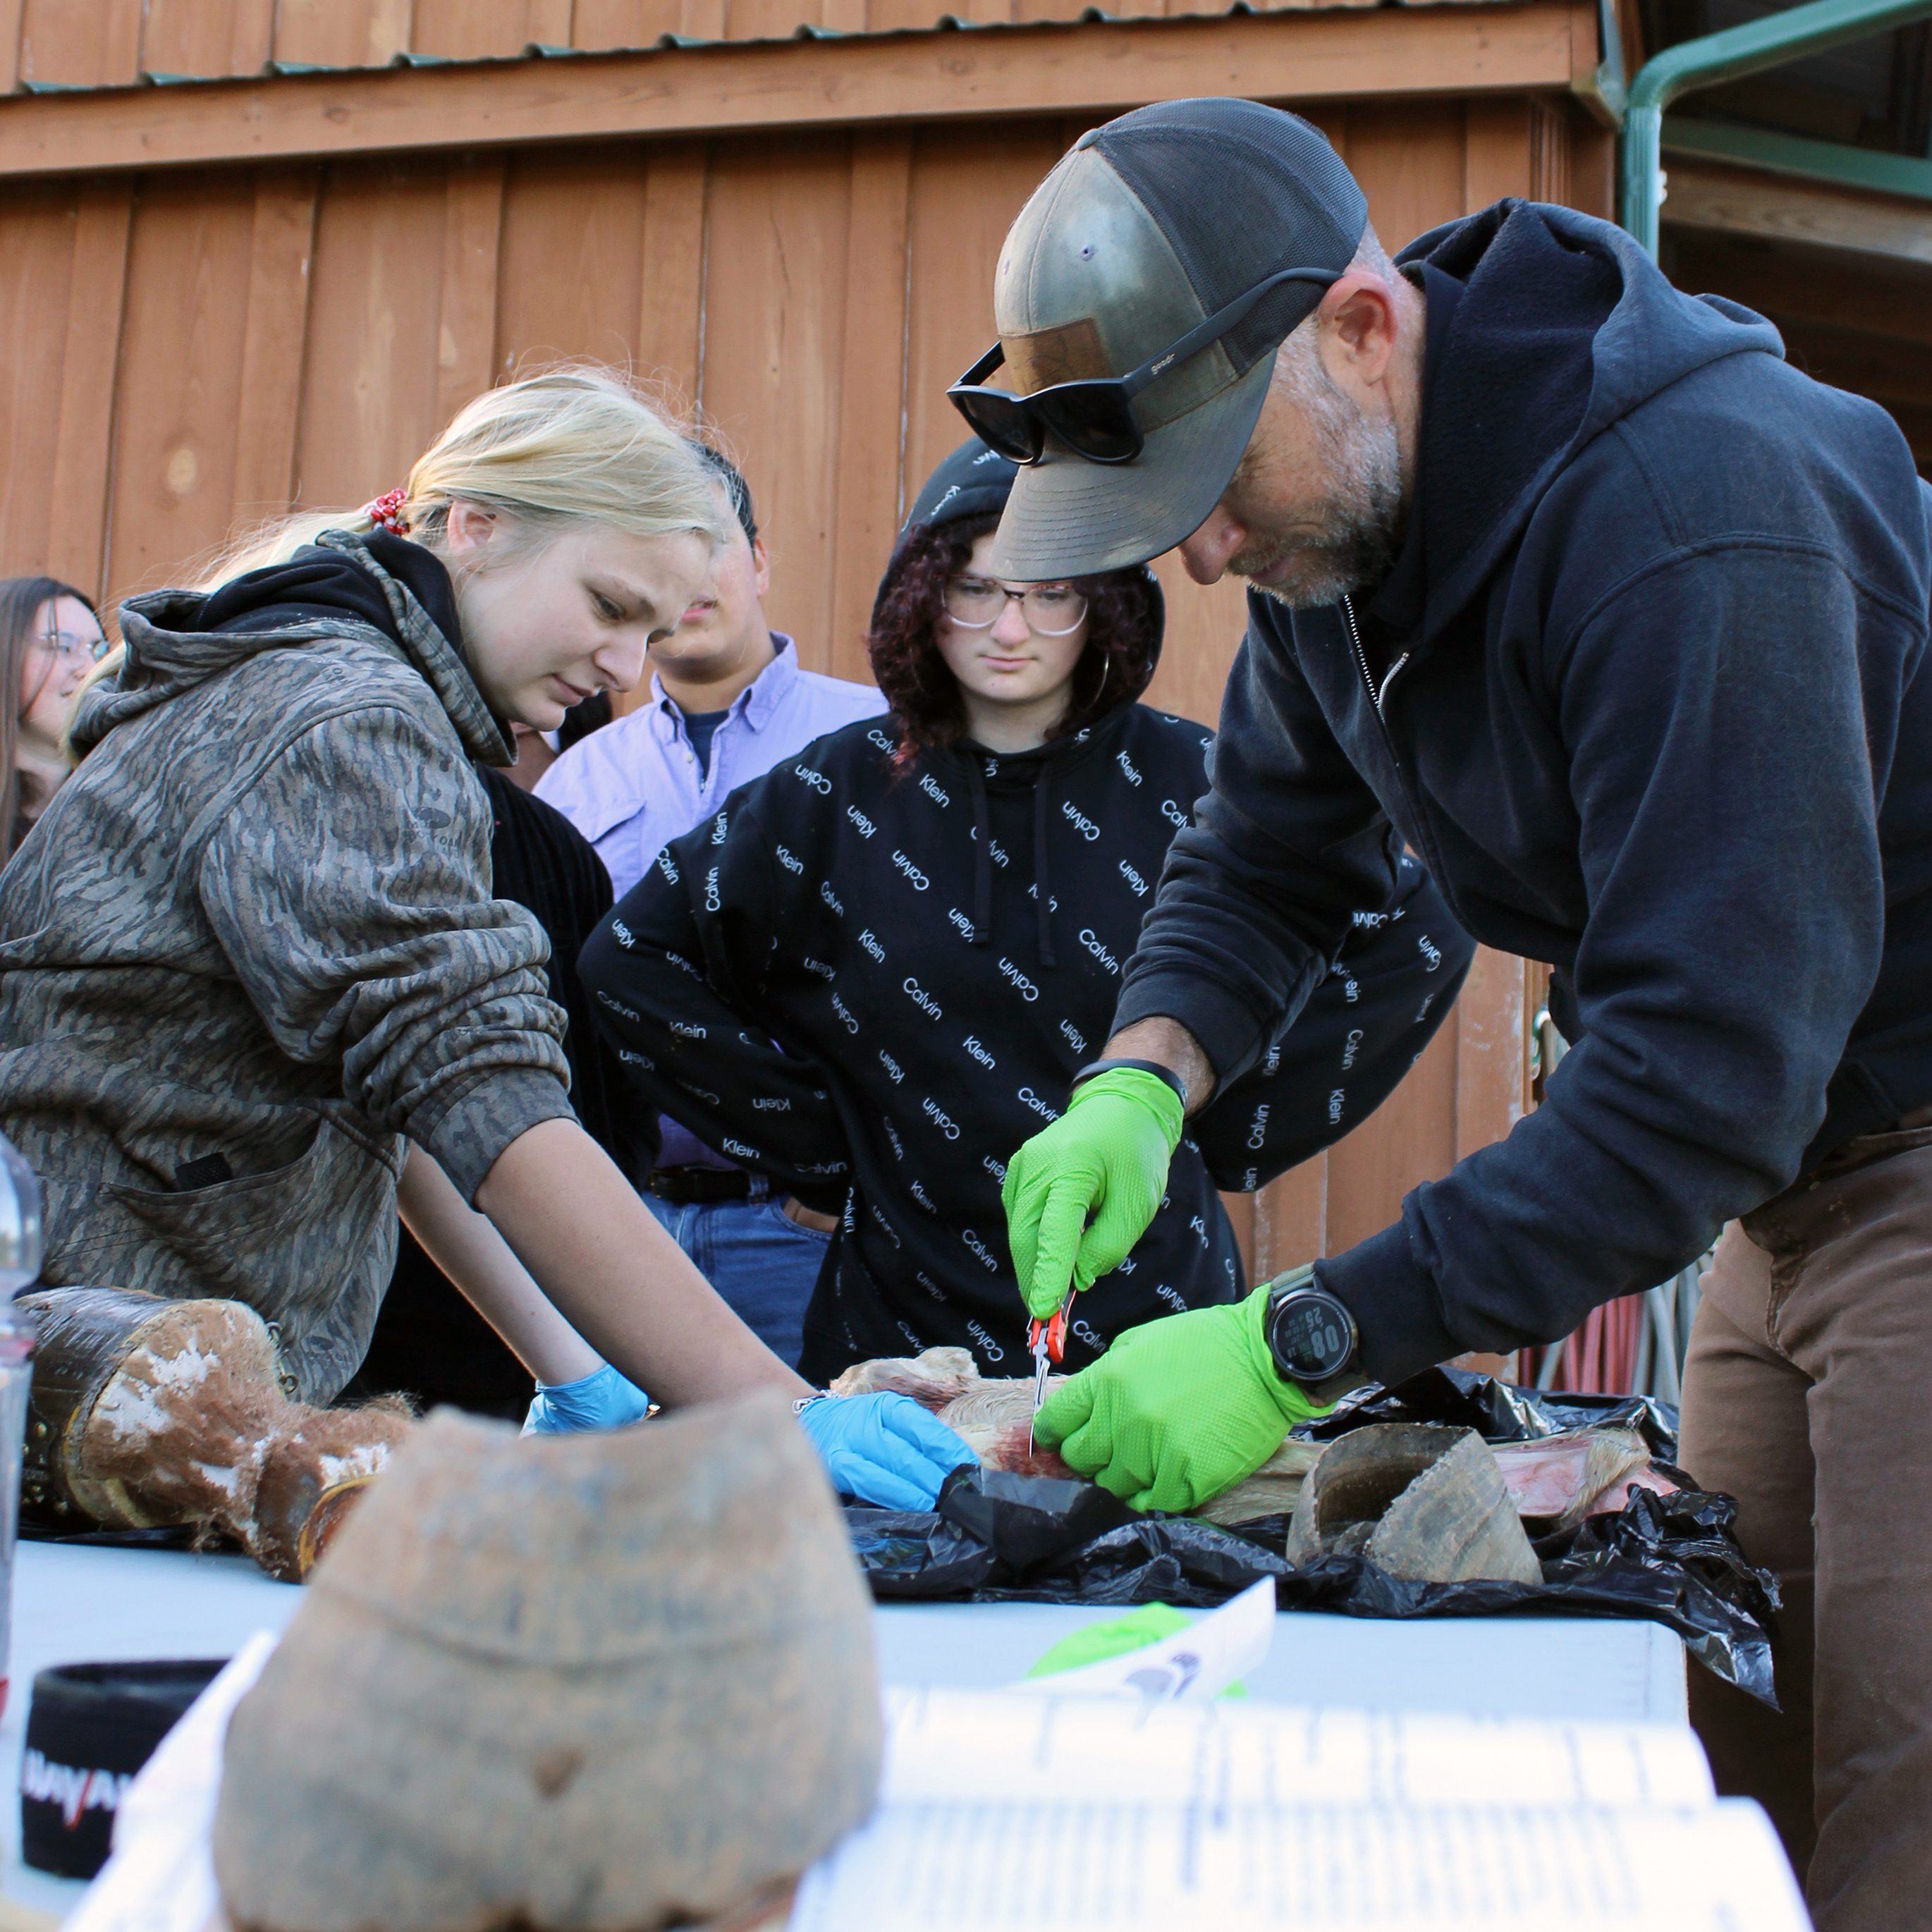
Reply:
x=728 y=701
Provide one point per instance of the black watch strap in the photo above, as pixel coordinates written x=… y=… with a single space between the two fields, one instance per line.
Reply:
x=1153 y=1067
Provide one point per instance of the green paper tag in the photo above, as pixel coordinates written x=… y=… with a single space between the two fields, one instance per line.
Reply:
x=1099 y=1643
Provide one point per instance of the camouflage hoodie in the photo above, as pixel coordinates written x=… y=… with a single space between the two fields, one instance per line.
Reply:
x=256 y=927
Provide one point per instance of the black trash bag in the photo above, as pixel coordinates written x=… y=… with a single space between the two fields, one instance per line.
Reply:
x=916 y=1553
x=1150 y=1559
x=1497 y=1411
x=1670 y=1558
x=1027 y=1521
x=1723 y=1608
x=991 y=1526
x=1674 y=1559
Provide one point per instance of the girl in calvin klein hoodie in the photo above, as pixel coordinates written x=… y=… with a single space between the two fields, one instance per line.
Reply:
x=930 y=916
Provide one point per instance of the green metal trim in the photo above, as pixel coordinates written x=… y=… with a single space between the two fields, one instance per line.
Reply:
x=1831 y=161
x=1729 y=55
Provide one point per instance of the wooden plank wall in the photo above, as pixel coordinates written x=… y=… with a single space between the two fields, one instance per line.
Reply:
x=113 y=43
x=193 y=351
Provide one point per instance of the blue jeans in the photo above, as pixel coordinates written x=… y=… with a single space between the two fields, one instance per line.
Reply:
x=761 y=1261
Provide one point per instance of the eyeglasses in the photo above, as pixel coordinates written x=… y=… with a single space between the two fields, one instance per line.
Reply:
x=1051 y=609
x=1095 y=419
x=69 y=647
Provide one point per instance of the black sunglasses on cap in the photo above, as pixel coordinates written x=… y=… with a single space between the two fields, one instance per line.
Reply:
x=1095 y=418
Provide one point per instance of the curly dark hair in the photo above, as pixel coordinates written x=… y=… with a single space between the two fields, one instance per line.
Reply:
x=1124 y=626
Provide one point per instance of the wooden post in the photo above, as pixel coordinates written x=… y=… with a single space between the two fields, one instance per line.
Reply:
x=466 y=333
x=871 y=398
x=1496 y=150
x=670 y=345
x=268 y=405
x=673 y=296
x=84 y=461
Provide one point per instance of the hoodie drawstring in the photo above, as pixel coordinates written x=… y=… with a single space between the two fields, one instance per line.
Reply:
x=1040 y=884
x=982 y=934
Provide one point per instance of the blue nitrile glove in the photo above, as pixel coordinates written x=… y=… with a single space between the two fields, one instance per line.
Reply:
x=883 y=1449
x=602 y=1399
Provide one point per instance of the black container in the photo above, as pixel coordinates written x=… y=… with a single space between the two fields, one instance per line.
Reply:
x=90 y=1727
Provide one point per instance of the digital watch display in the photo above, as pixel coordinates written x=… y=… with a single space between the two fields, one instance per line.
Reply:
x=1311 y=1334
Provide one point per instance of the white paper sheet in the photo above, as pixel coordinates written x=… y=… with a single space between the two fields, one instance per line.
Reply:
x=995 y=1745
x=964 y=1866
x=1215 y=1651
x=999 y=1813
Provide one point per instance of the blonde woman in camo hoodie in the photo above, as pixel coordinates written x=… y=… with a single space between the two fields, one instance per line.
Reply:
x=256 y=992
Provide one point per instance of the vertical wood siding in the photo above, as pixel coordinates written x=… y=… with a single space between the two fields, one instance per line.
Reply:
x=113 y=43
x=192 y=352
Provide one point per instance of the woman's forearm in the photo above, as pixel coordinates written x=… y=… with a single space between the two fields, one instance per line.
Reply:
x=468 y=1249
x=601 y=1257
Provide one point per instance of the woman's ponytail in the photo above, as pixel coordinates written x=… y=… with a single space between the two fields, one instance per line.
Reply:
x=577 y=444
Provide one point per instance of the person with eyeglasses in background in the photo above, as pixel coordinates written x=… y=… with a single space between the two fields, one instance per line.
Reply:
x=50 y=638
x=929 y=914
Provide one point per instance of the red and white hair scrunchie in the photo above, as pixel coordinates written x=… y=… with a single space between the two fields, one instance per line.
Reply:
x=386 y=513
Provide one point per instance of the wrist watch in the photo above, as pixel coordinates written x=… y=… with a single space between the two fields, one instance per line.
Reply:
x=1312 y=1335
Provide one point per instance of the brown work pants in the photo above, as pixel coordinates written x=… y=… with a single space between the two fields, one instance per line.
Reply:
x=1806 y=1393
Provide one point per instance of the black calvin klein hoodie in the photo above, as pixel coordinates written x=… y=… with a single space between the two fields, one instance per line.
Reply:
x=937 y=951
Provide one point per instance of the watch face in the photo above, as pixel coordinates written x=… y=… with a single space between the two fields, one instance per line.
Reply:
x=1312 y=1340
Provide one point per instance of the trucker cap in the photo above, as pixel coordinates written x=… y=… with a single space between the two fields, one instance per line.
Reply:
x=1147 y=227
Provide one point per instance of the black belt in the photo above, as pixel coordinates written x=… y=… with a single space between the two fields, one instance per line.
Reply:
x=699 y=1186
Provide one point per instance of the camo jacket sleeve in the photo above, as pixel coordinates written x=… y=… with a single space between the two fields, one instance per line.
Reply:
x=683 y=980
x=350 y=888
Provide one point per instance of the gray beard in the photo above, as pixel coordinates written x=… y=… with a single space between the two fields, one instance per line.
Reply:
x=1358 y=542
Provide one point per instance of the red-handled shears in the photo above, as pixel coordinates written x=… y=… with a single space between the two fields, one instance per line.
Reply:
x=1047 y=1341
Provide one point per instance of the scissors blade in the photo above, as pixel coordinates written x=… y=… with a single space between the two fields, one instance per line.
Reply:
x=1040 y=1360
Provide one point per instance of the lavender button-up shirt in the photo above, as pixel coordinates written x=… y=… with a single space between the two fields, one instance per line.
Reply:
x=635 y=785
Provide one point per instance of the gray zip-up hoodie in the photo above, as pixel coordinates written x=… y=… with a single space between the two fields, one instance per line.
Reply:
x=257 y=923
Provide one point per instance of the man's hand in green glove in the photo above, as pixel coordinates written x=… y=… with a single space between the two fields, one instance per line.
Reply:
x=1177 y=1410
x=1106 y=1156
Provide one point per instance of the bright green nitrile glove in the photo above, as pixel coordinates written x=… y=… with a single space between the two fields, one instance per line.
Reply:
x=1106 y=1156
x=1178 y=1409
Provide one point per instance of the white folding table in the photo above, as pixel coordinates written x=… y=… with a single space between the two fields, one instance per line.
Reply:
x=82 y=1603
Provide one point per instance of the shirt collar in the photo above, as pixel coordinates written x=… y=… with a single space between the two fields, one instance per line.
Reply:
x=759 y=698
x=772 y=685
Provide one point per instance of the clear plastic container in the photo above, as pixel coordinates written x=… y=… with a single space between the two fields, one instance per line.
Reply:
x=20 y=1246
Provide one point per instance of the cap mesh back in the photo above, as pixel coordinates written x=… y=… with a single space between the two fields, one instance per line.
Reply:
x=1241 y=190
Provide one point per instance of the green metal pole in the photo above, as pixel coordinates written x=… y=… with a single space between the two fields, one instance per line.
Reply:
x=1729 y=55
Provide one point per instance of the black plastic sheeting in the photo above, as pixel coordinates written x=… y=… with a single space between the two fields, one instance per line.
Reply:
x=1498 y=1412
x=997 y=1537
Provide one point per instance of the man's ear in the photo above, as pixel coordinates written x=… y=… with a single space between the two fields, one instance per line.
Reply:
x=1359 y=325
x=761 y=568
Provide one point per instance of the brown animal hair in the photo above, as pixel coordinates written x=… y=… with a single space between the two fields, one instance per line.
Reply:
x=1124 y=628
x=21 y=598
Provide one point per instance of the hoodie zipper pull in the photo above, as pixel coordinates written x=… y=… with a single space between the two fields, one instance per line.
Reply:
x=1376 y=696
